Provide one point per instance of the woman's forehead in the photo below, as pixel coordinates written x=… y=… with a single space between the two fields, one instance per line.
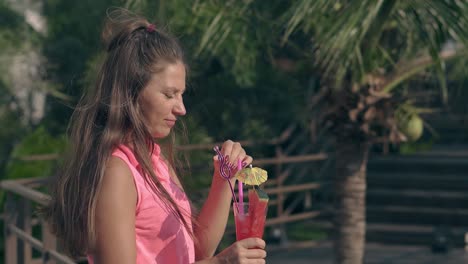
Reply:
x=171 y=76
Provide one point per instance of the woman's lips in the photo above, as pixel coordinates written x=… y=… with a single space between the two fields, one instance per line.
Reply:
x=170 y=123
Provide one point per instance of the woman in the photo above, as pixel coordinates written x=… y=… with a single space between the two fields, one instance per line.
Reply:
x=118 y=198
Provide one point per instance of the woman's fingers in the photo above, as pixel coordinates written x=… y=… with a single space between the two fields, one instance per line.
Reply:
x=255 y=248
x=235 y=152
x=247 y=160
x=252 y=242
x=256 y=254
x=226 y=148
x=249 y=250
x=230 y=149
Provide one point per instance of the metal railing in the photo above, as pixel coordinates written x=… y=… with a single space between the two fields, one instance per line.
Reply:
x=19 y=223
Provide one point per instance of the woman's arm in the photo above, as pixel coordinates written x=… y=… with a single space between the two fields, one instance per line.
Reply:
x=212 y=219
x=115 y=215
x=214 y=214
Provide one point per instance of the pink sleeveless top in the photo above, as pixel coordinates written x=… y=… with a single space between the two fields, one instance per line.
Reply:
x=160 y=237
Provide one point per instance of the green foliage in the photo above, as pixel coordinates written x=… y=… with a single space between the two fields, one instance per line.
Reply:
x=8 y=18
x=200 y=174
x=37 y=143
x=237 y=33
x=150 y=9
x=238 y=112
x=15 y=33
x=414 y=147
x=306 y=231
x=458 y=83
x=365 y=36
x=73 y=38
x=11 y=131
x=10 y=25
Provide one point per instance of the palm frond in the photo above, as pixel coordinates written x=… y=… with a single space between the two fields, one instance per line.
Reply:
x=349 y=35
x=437 y=22
x=341 y=29
x=406 y=69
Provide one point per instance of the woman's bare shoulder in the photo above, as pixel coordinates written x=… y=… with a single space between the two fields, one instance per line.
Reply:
x=117 y=183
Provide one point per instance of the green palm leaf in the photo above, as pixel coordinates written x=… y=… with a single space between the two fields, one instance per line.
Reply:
x=349 y=34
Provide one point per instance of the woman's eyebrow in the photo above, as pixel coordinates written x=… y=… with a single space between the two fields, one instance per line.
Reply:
x=174 y=89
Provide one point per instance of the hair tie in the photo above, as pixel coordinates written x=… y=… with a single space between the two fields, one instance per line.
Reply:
x=151 y=28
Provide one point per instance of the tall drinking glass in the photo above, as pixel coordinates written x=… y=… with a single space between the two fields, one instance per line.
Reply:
x=250 y=222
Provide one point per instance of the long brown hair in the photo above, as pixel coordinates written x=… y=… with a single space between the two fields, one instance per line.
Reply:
x=105 y=117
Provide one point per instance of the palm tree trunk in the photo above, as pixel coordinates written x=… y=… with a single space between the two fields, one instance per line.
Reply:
x=350 y=206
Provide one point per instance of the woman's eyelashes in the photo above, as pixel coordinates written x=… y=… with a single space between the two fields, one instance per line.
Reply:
x=169 y=95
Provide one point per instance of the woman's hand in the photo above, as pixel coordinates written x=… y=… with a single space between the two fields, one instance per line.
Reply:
x=214 y=214
x=249 y=250
x=233 y=151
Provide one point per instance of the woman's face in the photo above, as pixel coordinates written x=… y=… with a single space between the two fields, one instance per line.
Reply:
x=161 y=100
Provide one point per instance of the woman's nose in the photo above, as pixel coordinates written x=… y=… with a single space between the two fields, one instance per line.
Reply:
x=179 y=108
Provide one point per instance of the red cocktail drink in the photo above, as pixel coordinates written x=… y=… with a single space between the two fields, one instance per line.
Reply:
x=250 y=219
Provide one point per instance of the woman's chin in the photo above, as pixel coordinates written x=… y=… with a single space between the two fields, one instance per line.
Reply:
x=160 y=135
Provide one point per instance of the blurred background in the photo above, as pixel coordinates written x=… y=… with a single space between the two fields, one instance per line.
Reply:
x=357 y=110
